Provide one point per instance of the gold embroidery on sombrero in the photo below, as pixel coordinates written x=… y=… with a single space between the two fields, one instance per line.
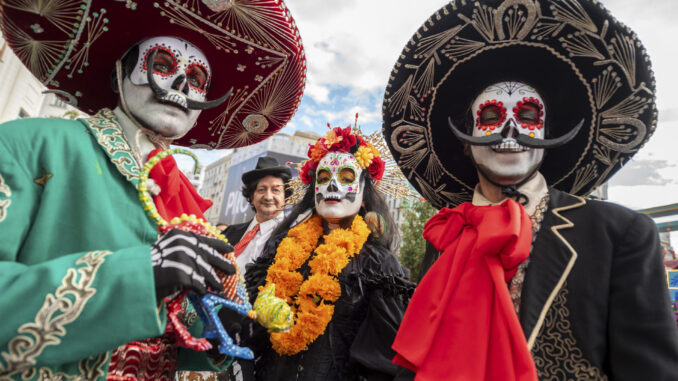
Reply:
x=274 y=94
x=95 y=26
x=556 y=349
x=60 y=309
x=109 y=136
x=43 y=56
x=604 y=55
x=4 y=204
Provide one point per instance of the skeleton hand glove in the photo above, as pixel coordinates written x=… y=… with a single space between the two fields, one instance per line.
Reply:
x=184 y=260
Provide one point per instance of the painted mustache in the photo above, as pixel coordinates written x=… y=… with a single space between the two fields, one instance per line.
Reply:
x=521 y=139
x=350 y=197
x=176 y=97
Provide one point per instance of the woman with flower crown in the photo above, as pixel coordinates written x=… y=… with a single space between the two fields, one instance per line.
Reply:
x=331 y=260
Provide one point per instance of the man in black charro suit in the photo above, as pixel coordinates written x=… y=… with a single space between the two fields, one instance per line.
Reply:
x=542 y=102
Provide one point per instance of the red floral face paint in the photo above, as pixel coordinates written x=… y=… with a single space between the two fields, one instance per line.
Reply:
x=490 y=115
x=529 y=113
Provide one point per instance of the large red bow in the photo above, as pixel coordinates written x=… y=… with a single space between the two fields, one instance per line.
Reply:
x=461 y=323
x=177 y=194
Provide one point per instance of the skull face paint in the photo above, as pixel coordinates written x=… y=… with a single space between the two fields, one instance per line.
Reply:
x=182 y=71
x=338 y=189
x=509 y=109
x=178 y=67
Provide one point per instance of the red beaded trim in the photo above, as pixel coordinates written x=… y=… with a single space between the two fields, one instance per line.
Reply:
x=166 y=49
x=531 y=126
x=482 y=107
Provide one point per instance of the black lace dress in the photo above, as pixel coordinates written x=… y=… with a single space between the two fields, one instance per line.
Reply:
x=357 y=342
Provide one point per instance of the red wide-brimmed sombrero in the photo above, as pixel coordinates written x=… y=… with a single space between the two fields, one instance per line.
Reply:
x=584 y=63
x=252 y=46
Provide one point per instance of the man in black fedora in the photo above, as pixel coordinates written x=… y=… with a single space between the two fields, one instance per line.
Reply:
x=265 y=188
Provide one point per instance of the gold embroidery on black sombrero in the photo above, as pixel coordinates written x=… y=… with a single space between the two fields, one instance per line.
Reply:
x=604 y=60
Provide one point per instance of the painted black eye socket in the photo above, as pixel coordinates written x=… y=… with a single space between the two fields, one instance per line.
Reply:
x=490 y=115
x=323 y=177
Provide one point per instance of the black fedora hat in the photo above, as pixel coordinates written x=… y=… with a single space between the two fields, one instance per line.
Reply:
x=583 y=62
x=267 y=166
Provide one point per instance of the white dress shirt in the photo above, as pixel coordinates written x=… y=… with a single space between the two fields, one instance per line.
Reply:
x=256 y=245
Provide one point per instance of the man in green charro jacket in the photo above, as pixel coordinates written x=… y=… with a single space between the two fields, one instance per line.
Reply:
x=83 y=271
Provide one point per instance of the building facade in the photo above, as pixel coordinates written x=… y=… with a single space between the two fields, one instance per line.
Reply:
x=213 y=186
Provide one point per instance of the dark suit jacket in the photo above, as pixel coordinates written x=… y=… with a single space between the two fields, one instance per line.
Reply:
x=595 y=302
x=235 y=232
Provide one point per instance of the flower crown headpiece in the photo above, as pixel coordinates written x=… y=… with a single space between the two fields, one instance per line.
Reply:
x=344 y=141
x=371 y=153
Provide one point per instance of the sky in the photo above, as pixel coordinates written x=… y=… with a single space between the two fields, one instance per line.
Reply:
x=352 y=45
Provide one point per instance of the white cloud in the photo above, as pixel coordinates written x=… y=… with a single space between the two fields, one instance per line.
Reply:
x=355 y=43
x=654 y=23
x=643 y=196
x=320 y=94
x=307 y=121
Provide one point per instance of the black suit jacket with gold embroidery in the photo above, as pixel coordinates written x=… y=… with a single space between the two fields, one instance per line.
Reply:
x=595 y=302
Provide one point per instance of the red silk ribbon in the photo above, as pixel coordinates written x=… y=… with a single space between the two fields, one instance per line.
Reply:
x=177 y=194
x=461 y=323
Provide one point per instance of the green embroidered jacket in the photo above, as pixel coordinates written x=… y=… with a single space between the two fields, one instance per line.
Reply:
x=76 y=279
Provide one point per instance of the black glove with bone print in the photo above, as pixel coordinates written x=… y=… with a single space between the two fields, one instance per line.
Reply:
x=184 y=260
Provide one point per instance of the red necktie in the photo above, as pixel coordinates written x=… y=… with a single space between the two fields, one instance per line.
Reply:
x=240 y=246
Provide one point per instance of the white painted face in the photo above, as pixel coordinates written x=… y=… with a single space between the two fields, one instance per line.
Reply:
x=179 y=68
x=338 y=189
x=509 y=109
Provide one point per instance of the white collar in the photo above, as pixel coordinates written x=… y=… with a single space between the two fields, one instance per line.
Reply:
x=535 y=189
x=267 y=226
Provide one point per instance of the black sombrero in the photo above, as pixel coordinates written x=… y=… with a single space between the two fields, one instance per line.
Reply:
x=583 y=62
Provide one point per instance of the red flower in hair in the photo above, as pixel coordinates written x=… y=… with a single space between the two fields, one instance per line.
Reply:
x=306 y=172
x=376 y=169
x=340 y=139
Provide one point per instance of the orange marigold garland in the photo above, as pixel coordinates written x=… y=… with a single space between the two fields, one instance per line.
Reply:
x=311 y=298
